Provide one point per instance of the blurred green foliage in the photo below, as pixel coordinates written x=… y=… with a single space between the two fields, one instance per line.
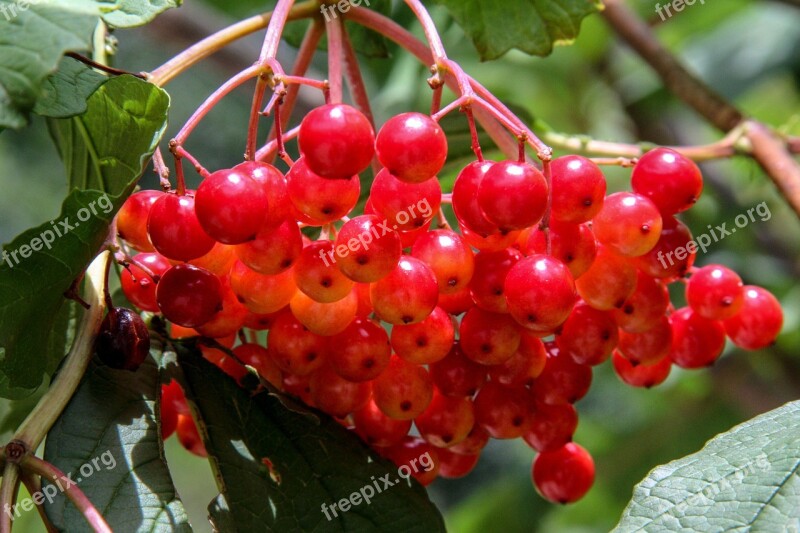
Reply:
x=746 y=49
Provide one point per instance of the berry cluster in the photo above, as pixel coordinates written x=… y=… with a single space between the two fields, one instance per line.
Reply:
x=384 y=322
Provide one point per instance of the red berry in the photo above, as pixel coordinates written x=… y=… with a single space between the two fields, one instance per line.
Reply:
x=274 y=248
x=406 y=206
x=189 y=436
x=502 y=411
x=673 y=253
x=565 y=474
x=446 y=421
x=404 y=390
x=230 y=206
x=465 y=199
x=360 y=352
x=455 y=465
x=513 y=195
x=643 y=375
x=321 y=200
x=377 y=429
x=334 y=394
x=425 y=342
x=758 y=322
x=139 y=287
x=609 y=282
x=274 y=183
x=174 y=229
x=189 y=295
x=715 y=292
x=337 y=140
x=411 y=146
x=645 y=307
x=696 y=341
x=132 y=219
x=562 y=380
x=294 y=348
x=672 y=181
x=457 y=375
x=540 y=292
x=449 y=256
x=551 y=426
x=407 y=295
x=366 y=249
x=588 y=336
x=628 y=223
x=415 y=457
x=488 y=338
x=648 y=346
x=579 y=188
x=572 y=244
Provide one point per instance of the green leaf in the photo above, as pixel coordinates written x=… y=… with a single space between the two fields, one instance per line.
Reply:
x=277 y=467
x=745 y=479
x=533 y=26
x=105 y=151
x=33 y=41
x=64 y=94
x=130 y=13
x=108 y=439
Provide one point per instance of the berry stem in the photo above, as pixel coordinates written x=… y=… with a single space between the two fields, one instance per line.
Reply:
x=33 y=484
x=623 y=162
x=269 y=150
x=252 y=127
x=161 y=170
x=76 y=496
x=431 y=33
x=473 y=130
x=304 y=57
x=213 y=43
x=355 y=80
x=214 y=99
x=50 y=406
x=277 y=23
x=8 y=492
x=545 y=224
x=180 y=151
x=335 y=52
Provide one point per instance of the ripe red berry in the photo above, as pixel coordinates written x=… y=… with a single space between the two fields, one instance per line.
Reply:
x=411 y=146
x=489 y=277
x=696 y=341
x=488 y=338
x=189 y=436
x=404 y=390
x=572 y=244
x=588 y=336
x=446 y=421
x=407 y=295
x=294 y=348
x=188 y=295
x=715 y=292
x=174 y=229
x=132 y=219
x=457 y=375
x=377 y=429
x=513 y=195
x=319 y=278
x=321 y=200
x=425 y=342
x=465 y=199
x=758 y=322
x=642 y=375
x=562 y=380
x=551 y=426
x=563 y=475
x=335 y=395
x=455 y=465
x=274 y=183
x=360 y=352
x=337 y=140
x=230 y=206
x=366 y=249
x=261 y=293
x=673 y=182
x=629 y=224
x=673 y=253
x=609 y=282
x=415 y=457
x=406 y=206
x=274 y=248
x=139 y=287
x=540 y=292
x=324 y=319
x=579 y=188
x=645 y=307
x=449 y=256
x=502 y=411
x=648 y=346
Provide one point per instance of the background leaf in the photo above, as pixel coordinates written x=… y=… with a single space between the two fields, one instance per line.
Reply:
x=533 y=26
x=104 y=151
x=746 y=479
x=110 y=425
x=64 y=93
x=276 y=467
x=130 y=13
x=33 y=42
